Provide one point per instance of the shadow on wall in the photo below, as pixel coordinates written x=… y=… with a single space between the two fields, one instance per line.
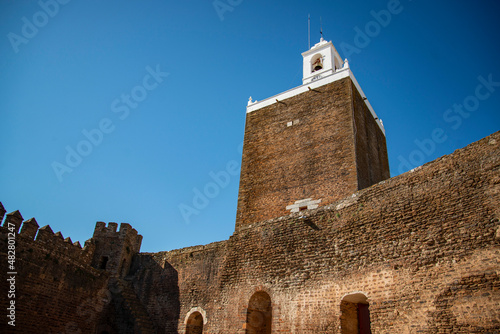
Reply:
x=469 y=305
x=157 y=284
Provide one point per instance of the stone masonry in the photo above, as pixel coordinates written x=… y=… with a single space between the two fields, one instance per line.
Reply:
x=333 y=148
x=420 y=251
x=324 y=242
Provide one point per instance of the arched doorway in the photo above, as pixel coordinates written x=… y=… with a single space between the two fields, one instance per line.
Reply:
x=259 y=314
x=355 y=314
x=194 y=324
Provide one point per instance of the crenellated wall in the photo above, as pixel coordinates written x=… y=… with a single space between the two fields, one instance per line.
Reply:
x=417 y=253
x=60 y=287
x=115 y=249
x=55 y=290
x=28 y=232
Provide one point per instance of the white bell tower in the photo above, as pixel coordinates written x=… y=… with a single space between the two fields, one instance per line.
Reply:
x=322 y=65
x=320 y=61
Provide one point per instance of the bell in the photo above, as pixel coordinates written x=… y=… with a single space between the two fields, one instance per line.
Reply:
x=318 y=65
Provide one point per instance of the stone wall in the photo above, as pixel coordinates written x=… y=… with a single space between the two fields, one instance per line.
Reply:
x=372 y=161
x=422 y=248
x=56 y=289
x=310 y=146
x=160 y=279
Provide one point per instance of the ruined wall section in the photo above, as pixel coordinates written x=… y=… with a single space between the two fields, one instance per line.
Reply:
x=423 y=247
x=57 y=290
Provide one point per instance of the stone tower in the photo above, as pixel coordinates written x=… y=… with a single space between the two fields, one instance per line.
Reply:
x=114 y=249
x=312 y=145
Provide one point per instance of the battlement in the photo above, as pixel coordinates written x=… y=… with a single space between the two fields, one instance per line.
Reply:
x=109 y=249
x=2 y=212
x=126 y=232
x=30 y=232
x=115 y=248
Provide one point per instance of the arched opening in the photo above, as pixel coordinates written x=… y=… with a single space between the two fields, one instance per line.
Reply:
x=355 y=314
x=336 y=64
x=194 y=324
x=259 y=314
x=317 y=63
x=103 y=262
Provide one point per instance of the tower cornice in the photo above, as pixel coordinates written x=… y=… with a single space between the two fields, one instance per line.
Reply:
x=320 y=81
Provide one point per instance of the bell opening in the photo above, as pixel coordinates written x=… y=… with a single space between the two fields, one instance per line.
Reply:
x=317 y=68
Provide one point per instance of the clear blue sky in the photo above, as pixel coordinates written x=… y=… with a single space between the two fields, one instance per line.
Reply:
x=85 y=65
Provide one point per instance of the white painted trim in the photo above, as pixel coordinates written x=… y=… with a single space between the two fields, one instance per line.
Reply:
x=308 y=202
x=196 y=309
x=338 y=75
x=379 y=122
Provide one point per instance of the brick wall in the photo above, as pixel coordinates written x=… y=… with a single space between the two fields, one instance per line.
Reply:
x=372 y=162
x=160 y=279
x=422 y=247
x=305 y=147
x=57 y=291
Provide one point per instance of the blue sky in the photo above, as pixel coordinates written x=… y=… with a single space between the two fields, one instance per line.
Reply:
x=161 y=87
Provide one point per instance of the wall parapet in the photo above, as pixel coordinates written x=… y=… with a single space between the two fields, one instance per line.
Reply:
x=30 y=232
x=126 y=231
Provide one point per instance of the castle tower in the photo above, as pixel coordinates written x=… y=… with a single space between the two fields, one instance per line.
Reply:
x=114 y=249
x=312 y=145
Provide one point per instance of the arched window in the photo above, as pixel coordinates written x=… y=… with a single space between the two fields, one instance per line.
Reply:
x=103 y=262
x=355 y=315
x=259 y=314
x=317 y=63
x=194 y=324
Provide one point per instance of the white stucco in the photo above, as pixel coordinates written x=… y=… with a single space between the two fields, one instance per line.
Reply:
x=333 y=69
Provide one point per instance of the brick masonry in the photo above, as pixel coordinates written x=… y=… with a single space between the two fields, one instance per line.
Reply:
x=422 y=247
x=60 y=287
x=422 y=250
x=57 y=291
x=323 y=144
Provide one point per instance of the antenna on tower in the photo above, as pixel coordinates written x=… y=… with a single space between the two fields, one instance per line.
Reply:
x=309 y=30
x=321 y=24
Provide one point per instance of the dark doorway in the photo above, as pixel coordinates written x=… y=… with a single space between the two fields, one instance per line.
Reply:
x=103 y=262
x=195 y=323
x=259 y=314
x=355 y=314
